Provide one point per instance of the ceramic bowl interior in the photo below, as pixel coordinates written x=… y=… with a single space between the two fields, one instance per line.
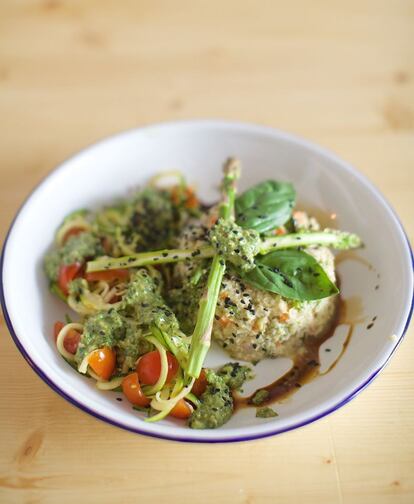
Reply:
x=376 y=283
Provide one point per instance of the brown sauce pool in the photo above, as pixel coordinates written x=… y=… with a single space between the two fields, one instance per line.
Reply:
x=306 y=364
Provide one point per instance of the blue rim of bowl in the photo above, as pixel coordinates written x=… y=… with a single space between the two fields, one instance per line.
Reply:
x=238 y=125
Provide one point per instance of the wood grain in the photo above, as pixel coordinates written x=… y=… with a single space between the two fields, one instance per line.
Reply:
x=339 y=73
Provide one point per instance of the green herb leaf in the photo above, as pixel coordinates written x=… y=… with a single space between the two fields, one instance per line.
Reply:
x=265 y=206
x=293 y=274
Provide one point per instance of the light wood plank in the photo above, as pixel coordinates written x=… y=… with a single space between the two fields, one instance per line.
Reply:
x=341 y=74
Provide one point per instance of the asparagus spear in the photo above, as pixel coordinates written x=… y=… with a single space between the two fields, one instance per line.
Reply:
x=340 y=240
x=201 y=338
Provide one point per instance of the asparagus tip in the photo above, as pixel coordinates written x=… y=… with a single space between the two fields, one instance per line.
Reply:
x=348 y=241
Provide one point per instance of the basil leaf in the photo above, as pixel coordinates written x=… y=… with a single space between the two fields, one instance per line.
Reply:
x=265 y=206
x=293 y=274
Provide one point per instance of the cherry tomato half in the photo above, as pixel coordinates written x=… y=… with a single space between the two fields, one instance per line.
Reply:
x=57 y=328
x=103 y=361
x=200 y=384
x=132 y=390
x=149 y=367
x=181 y=410
x=107 y=275
x=67 y=273
x=71 y=340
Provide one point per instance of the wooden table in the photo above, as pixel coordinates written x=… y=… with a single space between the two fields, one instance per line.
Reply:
x=339 y=73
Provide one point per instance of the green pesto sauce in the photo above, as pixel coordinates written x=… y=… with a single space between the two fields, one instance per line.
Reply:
x=217 y=401
x=154 y=219
x=185 y=301
x=235 y=244
x=147 y=221
x=112 y=329
x=260 y=397
x=143 y=300
x=131 y=345
x=126 y=326
x=266 y=412
x=103 y=329
x=77 y=288
x=216 y=405
x=234 y=374
x=76 y=249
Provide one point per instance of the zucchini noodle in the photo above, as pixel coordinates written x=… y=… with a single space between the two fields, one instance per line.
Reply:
x=178 y=385
x=194 y=399
x=91 y=302
x=83 y=366
x=164 y=368
x=102 y=288
x=154 y=181
x=92 y=374
x=76 y=222
x=164 y=406
x=111 y=384
x=116 y=290
x=100 y=382
x=109 y=219
x=61 y=338
x=125 y=248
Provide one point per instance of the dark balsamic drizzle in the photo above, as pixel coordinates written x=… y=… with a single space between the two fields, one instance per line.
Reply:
x=306 y=366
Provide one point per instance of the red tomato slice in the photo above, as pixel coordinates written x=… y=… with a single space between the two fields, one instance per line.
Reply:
x=107 y=275
x=132 y=390
x=149 y=367
x=67 y=273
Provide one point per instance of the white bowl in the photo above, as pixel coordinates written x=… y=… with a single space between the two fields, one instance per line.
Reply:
x=110 y=168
